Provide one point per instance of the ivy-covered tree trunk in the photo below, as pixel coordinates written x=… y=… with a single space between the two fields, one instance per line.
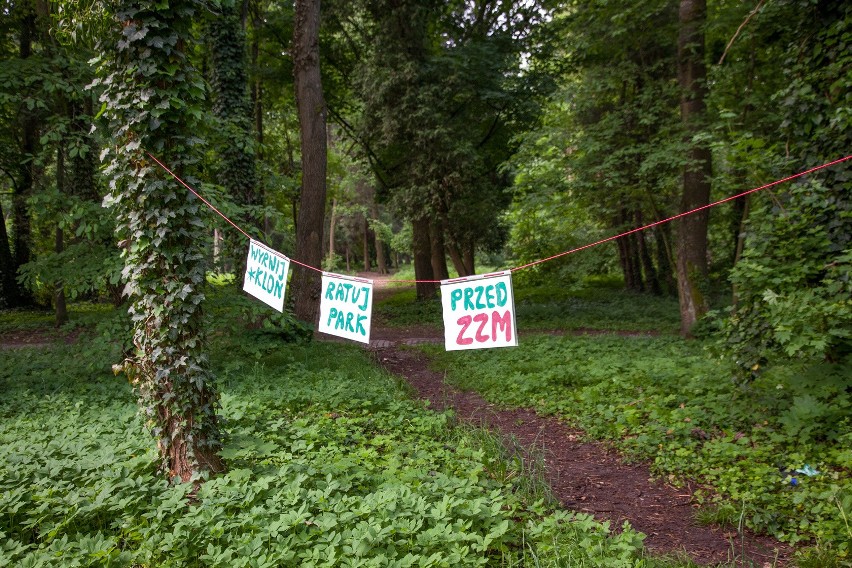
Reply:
x=692 y=229
x=233 y=110
x=153 y=97
x=312 y=123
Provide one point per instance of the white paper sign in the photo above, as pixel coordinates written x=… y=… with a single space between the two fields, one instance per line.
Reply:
x=479 y=312
x=346 y=308
x=266 y=275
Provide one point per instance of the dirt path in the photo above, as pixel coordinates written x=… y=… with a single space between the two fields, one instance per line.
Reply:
x=584 y=476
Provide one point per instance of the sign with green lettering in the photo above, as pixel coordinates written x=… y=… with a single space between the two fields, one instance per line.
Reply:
x=479 y=312
x=346 y=308
x=266 y=275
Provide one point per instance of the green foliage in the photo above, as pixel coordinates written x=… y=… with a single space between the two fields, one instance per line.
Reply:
x=90 y=263
x=330 y=465
x=662 y=400
x=403 y=308
x=442 y=90
x=594 y=304
x=793 y=282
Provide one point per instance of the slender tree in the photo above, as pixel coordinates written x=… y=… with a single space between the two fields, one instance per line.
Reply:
x=692 y=229
x=153 y=96
x=312 y=122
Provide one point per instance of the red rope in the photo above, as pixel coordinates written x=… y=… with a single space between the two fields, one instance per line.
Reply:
x=555 y=256
x=679 y=215
x=222 y=215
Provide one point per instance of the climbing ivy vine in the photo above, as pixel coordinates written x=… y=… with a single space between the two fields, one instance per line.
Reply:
x=152 y=101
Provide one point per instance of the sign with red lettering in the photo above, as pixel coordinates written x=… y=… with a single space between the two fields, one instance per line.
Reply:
x=346 y=307
x=266 y=275
x=479 y=312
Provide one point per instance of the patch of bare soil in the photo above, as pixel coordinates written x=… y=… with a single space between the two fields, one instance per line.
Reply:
x=584 y=476
x=35 y=338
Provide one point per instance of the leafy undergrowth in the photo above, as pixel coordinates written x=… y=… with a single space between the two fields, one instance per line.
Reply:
x=669 y=401
x=330 y=464
x=600 y=305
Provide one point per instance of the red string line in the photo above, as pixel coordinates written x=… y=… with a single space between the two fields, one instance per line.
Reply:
x=222 y=215
x=555 y=256
x=679 y=215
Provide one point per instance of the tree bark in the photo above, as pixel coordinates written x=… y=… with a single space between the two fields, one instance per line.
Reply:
x=312 y=123
x=439 y=253
x=21 y=221
x=456 y=257
x=692 y=229
x=8 y=284
x=652 y=283
x=59 y=304
x=381 y=261
x=331 y=229
x=468 y=259
x=423 y=259
x=665 y=258
x=366 y=245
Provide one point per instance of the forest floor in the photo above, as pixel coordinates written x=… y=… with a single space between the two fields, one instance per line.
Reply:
x=584 y=476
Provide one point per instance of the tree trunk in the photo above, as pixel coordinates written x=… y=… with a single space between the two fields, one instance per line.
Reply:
x=59 y=304
x=740 y=240
x=381 y=261
x=652 y=283
x=456 y=257
x=312 y=123
x=233 y=110
x=439 y=254
x=468 y=259
x=257 y=85
x=8 y=284
x=627 y=251
x=423 y=259
x=21 y=222
x=692 y=229
x=366 y=245
x=331 y=229
x=165 y=267
x=665 y=258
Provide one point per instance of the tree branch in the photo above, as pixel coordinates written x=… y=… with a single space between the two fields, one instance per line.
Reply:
x=739 y=29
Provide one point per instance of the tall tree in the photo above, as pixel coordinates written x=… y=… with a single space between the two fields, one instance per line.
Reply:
x=153 y=97
x=25 y=125
x=234 y=114
x=312 y=122
x=692 y=229
x=443 y=89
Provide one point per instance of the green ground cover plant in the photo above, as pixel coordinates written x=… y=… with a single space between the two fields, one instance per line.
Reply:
x=599 y=304
x=754 y=448
x=330 y=464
